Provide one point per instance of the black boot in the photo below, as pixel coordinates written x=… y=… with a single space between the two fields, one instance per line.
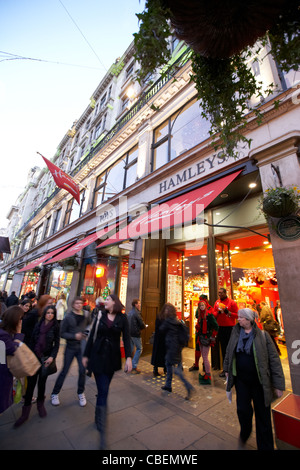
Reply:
x=100 y=420
x=41 y=408
x=24 y=416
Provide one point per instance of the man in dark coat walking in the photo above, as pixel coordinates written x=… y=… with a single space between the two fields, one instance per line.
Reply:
x=12 y=299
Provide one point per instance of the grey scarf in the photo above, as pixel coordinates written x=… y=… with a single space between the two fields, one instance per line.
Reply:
x=245 y=341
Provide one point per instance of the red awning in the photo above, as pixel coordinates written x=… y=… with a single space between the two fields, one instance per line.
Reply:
x=83 y=244
x=181 y=210
x=43 y=258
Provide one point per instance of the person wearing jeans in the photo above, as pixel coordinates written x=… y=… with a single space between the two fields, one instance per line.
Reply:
x=136 y=324
x=73 y=331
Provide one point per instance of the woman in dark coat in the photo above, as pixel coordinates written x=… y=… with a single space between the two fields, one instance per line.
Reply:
x=10 y=331
x=159 y=347
x=45 y=344
x=102 y=354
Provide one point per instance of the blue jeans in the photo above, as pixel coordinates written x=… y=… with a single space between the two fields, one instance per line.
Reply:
x=137 y=343
x=70 y=353
x=103 y=383
x=178 y=370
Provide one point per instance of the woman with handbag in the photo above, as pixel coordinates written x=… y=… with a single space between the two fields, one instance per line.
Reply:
x=206 y=332
x=45 y=344
x=10 y=334
x=102 y=354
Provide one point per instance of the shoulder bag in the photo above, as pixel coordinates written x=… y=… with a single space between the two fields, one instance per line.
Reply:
x=23 y=363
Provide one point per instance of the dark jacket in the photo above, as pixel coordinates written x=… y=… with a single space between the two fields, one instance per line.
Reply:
x=104 y=353
x=12 y=300
x=30 y=319
x=6 y=378
x=52 y=339
x=268 y=365
x=158 y=358
x=136 y=323
x=170 y=327
x=72 y=324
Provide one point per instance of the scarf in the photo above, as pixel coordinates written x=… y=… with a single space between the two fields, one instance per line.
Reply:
x=41 y=342
x=245 y=341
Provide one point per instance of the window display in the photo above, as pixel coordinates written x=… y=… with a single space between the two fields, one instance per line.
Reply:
x=60 y=283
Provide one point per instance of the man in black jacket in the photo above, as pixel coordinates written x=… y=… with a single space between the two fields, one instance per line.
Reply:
x=73 y=331
x=136 y=324
x=12 y=300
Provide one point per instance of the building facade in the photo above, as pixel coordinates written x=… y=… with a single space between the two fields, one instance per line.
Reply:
x=136 y=148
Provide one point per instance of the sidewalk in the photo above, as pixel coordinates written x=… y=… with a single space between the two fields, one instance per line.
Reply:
x=140 y=415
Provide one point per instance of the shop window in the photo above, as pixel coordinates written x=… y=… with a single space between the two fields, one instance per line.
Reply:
x=60 y=283
x=183 y=130
x=30 y=281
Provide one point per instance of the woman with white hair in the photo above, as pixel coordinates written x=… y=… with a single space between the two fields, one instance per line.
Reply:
x=252 y=364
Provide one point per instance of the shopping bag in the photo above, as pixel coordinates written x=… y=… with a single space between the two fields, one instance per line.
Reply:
x=23 y=363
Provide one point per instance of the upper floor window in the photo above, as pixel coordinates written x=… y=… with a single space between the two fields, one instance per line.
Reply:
x=179 y=133
x=47 y=227
x=74 y=210
x=37 y=236
x=26 y=243
x=57 y=217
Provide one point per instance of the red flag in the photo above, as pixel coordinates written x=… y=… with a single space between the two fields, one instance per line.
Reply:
x=63 y=180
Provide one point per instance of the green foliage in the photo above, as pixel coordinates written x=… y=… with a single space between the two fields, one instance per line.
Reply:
x=224 y=86
x=151 y=42
x=279 y=201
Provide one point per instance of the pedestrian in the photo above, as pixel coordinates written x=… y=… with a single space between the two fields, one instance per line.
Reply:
x=45 y=344
x=269 y=324
x=33 y=315
x=206 y=332
x=10 y=331
x=253 y=365
x=12 y=299
x=209 y=309
x=61 y=307
x=225 y=311
x=136 y=324
x=73 y=330
x=102 y=355
x=170 y=328
x=159 y=347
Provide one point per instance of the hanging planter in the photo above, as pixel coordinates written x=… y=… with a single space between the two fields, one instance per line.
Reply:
x=280 y=202
x=220 y=35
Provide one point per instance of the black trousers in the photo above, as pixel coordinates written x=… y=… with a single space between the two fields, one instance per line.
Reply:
x=246 y=393
x=224 y=336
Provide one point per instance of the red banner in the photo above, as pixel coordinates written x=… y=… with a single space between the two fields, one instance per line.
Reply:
x=63 y=180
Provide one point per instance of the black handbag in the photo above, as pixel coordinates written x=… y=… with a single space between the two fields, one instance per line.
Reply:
x=48 y=370
x=204 y=340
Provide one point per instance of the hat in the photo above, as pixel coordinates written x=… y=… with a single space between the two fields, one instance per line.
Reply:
x=247 y=313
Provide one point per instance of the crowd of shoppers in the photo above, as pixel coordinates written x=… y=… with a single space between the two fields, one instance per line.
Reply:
x=249 y=352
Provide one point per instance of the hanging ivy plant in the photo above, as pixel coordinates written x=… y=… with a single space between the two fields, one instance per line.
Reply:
x=224 y=85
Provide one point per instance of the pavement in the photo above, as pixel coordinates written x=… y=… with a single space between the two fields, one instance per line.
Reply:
x=141 y=417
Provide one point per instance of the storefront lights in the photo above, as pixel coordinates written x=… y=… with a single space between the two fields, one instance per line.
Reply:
x=100 y=271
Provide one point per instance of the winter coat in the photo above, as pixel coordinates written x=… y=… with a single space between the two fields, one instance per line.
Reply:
x=170 y=327
x=6 y=378
x=136 y=323
x=104 y=351
x=12 y=300
x=52 y=339
x=61 y=308
x=267 y=361
x=73 y=324
x=158 y=357
x=30 y=319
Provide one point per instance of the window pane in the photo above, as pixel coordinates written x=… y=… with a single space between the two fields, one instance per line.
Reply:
x=189 y=129
x=131 y=175
x=160 y=156
x=99 y=187
x=161 y=131
x=114 y=180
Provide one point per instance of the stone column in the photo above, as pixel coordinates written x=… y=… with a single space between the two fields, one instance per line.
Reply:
x=281 y=160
